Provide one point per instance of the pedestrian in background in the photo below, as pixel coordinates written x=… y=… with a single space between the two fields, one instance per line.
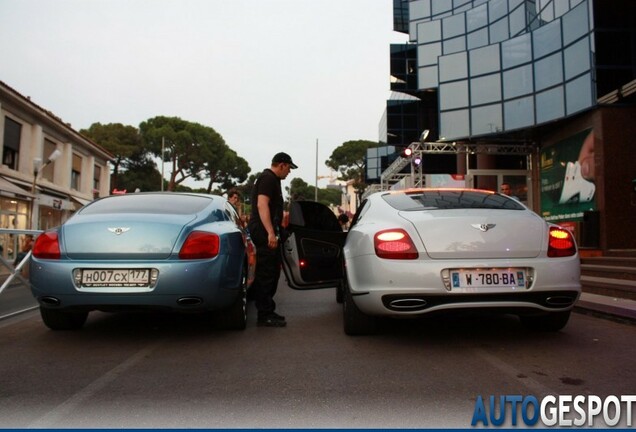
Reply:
x=265 y=229
x=234 y=197
x=343 y=220
x=507 y=190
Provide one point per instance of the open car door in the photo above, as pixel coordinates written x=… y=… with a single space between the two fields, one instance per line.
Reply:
x=312 y=253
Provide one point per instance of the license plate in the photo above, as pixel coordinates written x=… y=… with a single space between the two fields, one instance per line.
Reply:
x=115 y=278
x=484 y=278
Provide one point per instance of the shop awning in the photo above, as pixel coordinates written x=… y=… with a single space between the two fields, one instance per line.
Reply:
x=81 y=201
x=7 y=186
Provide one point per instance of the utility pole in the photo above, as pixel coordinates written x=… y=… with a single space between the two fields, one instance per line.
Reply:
x=163 y=149
x=316 y=189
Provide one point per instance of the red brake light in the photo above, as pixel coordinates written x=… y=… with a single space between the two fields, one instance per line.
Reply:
x=47 y=246
x=560 y=243
x=200 y=245
x=394 y=244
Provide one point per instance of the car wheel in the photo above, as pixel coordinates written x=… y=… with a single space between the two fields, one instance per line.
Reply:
x=553 y=321
x=340 y=288
x=235 y=317
x=355 y=321
x=339 y=293
x=60 y=320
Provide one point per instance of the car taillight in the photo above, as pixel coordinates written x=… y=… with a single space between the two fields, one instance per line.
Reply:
x=47 y=246
x=394 y=244
x=560 y=243
x=200 y=245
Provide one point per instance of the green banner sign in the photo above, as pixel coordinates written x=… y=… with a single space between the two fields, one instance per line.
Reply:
x=567 y=178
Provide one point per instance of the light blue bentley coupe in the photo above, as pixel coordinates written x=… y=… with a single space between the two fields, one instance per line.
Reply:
x=164 y=251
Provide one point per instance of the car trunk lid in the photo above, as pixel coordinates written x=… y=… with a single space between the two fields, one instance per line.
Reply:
x=150 y=237
x=478 y=233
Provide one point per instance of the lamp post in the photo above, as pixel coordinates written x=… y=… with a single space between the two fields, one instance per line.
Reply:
x=37 y=170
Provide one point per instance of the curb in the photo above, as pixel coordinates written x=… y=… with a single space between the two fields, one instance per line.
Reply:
x=612 y=307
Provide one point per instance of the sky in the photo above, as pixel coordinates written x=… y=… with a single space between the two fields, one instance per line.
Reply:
x=268 y=75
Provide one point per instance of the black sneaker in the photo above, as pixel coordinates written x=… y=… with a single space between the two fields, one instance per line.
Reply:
x=278 y=317
x=271 y=320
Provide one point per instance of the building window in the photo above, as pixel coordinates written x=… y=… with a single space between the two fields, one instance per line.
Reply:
x=519 y=113
x=579 y=94
x=477 y=17
x=453 y=95
x=455 y=124
x=518 y=82
x=550 y=105
x=11 y=150
x=547 y=39
x=516 y=51
x=76 y=173
x=485 y=89
x=49 y=148
x=486 y=120
x=548 y=72
x=97 y=174
x=484 y=60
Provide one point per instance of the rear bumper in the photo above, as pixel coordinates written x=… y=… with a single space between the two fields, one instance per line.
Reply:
x=540 y=301
x=181 y=286
x=116 y=303
x=416 y=287
x=397 y=305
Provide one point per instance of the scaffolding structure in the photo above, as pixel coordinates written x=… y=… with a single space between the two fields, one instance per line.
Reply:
x=394 y=174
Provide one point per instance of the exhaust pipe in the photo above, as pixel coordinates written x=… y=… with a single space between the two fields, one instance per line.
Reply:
x=50 y=301
x=559 y=301
x=189 y=301
x=408 y=304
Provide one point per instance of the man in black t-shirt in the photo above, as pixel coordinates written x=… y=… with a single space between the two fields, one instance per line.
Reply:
x=264 y=227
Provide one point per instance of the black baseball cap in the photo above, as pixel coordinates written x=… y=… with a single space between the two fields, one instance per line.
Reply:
x=284 y=158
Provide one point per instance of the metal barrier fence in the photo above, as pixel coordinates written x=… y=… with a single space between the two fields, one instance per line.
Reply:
x=15 y=271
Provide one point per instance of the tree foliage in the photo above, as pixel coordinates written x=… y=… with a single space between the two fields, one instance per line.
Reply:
x=299 y=190
x=122 y=141
x=228 y=170
x=189 y=147
x=141 y=174
x=349 y=160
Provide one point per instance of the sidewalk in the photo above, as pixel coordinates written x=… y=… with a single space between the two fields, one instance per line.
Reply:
x=611 y=307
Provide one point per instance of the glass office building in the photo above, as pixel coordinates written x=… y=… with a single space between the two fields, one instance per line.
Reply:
x=555 y=77
x=504 y=65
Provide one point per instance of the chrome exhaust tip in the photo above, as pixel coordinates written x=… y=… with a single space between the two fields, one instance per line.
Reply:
x=189 y=301
x=50 y=301
x=408 y=304
x=559 y=301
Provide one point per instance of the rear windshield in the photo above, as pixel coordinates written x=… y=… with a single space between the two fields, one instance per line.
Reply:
x=436 y=199
x=153 y=204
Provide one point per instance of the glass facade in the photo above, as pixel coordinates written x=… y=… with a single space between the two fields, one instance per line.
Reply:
x=377 y=159
x=503 y=65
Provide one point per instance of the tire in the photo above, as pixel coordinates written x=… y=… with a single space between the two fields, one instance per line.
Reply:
x=340 y=293
x=356 y=323
x=340 y=288
x=59 y=320
x=551 y=322
x=235 y=317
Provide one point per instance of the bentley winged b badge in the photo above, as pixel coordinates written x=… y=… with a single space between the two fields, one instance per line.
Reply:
x=483 y=227
x=118 y=230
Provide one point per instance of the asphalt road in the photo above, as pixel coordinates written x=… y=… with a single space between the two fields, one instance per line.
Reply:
x=168 y=371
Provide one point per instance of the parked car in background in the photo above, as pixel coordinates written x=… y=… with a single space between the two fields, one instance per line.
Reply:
x=168 y=251
x=418 y=251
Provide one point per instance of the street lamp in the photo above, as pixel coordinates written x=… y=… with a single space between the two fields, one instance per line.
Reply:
x=37 y=170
